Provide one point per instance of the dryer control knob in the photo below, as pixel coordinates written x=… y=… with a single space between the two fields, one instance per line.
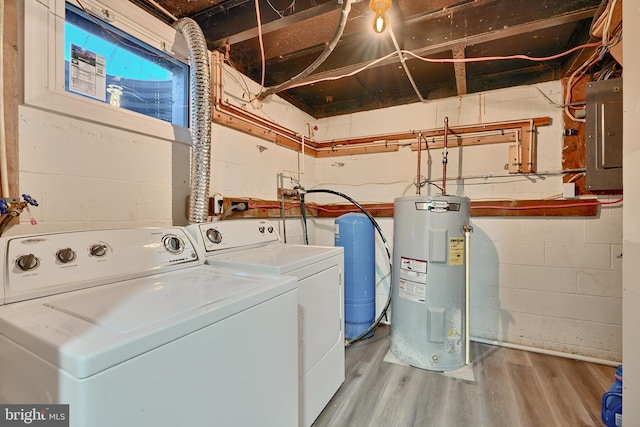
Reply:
x=261 y=229
x=270 y=229
x=173 y=244
x=99 y=250
x=27 y=262
x=66 y=255
x=214 y=235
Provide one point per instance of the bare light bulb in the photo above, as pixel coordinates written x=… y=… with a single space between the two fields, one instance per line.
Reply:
x=379 y=23
x=379 y=7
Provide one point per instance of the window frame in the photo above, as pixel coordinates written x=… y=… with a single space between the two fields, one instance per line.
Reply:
x=43 y=63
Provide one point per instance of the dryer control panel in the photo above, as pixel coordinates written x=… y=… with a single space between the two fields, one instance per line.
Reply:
x=47 y=264
x=234 y=234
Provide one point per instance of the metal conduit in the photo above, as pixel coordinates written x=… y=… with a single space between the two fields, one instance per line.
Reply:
x=344 y=14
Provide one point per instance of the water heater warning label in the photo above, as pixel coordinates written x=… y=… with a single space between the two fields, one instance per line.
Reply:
x=456 y=251
x=413 y=279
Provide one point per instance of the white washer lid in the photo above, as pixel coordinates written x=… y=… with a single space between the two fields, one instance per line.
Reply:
x=87 y=331
x=275 y=258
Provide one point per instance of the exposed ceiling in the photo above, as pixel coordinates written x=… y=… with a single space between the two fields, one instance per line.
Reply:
x=295 y=33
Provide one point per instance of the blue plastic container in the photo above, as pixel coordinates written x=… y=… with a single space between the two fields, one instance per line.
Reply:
x=354 y=232
x=612 y=402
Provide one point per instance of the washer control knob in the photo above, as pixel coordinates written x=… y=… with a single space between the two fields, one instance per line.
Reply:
x=66 y=255
x=27 y=262
x=261 y=229
x=270 y=229
x=98 y=249
x=173 y=244
x=214 y=235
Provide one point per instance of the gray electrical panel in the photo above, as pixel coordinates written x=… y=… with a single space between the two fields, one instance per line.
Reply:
x=603 y=153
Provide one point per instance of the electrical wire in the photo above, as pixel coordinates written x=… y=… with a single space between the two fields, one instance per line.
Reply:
x=239 y=207
x=446 y=60
x=605 y=31
x=344 y=15
x=502 y=58
x=317 y=208
x=554 y=103
x=597 y=17
x=240 y=80
x=595 y=56
x=427 y=181
x=303 y=212
x=377 y=321
x=261 y=42
x=603 y=17
x=281 y=13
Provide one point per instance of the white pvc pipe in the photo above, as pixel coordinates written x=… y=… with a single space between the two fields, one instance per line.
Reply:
x=547 y=352
x=467 y=281
x=300 y=170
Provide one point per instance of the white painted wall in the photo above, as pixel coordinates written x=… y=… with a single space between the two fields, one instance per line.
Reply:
x=631 y=225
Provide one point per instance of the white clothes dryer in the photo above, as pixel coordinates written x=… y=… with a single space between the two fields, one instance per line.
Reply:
x=129 y=328
x=254 y=245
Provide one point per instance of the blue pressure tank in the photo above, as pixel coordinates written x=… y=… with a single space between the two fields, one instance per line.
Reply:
x=354 y=232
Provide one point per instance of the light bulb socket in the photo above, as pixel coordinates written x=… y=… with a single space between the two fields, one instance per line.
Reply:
x=379 y=6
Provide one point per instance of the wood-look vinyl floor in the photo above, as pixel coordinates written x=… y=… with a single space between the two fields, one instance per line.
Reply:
x=512 y=388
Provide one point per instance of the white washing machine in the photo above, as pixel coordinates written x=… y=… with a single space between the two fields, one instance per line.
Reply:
x=254 y=245
x=129 y=328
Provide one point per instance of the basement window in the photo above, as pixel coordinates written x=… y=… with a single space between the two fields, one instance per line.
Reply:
x=110 y=63
x=104 y=63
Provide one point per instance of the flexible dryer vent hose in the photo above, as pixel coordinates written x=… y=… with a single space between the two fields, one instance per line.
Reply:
x=200 y=79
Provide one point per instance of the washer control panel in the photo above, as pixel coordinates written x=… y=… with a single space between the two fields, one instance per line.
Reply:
x=234 y=234
x=41 y=265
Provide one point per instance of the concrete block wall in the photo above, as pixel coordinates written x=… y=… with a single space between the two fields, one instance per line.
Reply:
x=89 y=176
x=549 y=283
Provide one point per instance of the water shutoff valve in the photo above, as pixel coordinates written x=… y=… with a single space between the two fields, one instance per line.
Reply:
x=30 y=200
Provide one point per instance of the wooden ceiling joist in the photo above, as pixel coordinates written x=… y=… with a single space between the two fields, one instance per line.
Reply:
x=460 y=70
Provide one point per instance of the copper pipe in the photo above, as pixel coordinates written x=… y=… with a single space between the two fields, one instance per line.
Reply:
x=444 y=157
